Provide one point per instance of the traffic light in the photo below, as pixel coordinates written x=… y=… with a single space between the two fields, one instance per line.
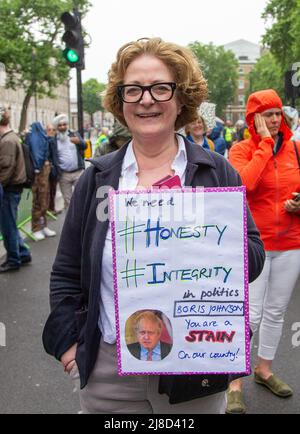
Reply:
x=74 y=49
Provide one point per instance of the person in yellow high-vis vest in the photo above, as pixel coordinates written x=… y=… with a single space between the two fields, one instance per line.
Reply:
x=102 y=140
x=229 y=133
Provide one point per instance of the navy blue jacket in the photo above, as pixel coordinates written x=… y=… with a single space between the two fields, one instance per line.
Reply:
x=217 y=138
x=76 y=274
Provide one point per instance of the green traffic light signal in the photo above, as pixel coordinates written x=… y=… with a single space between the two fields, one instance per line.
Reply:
x=71 y=55
x=73 y=39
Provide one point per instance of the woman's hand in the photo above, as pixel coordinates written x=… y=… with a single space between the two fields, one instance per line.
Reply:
x=68 y=359
x=291 y=205
x=261 y=126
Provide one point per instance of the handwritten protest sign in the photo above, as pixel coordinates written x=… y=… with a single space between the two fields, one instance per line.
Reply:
x=181 y=281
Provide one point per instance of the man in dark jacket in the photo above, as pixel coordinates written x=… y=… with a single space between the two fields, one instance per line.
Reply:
x=69 y=147
x=12 y=176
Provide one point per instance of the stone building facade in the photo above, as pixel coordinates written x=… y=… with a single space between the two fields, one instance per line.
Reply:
x=247 y=54
x=42 y=110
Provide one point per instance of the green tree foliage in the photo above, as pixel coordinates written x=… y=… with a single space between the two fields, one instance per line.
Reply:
x=220 y=68
x=267 y=75
x=91 y=94
x=282 y=36
x=31 y=46
x=296 y=32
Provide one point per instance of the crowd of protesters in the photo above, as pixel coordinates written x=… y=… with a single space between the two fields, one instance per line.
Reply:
x=263 y=149
x=53 y=155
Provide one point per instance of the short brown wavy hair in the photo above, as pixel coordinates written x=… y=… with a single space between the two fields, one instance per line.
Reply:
x=191 y=85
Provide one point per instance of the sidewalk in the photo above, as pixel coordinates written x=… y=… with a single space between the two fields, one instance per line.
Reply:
x=31 y=381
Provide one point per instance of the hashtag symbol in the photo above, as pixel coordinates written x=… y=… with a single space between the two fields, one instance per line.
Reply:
x=129 y=232
x=132 y=273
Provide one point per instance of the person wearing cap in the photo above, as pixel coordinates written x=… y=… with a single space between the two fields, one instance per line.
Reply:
x=69 y=147
x=268 y=165
x=12 y=177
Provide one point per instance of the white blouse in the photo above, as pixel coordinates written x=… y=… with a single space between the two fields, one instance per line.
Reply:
x=127 y=181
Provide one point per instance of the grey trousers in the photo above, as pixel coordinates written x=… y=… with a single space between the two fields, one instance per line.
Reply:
x=67 y=182
x=108 y=393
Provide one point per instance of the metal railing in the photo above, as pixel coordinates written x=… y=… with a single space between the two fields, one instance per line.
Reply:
x=24 y=214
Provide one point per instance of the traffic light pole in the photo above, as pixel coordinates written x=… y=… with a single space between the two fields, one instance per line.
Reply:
x=79 y=102
x=79 y=86
x=74 y=53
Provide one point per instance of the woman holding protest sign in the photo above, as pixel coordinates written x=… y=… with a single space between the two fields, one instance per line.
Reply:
x=154 y=89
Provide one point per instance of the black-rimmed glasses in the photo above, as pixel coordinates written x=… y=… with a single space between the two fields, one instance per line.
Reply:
x=133 y=93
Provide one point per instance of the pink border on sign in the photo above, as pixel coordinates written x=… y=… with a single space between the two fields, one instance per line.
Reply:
x=242 y=189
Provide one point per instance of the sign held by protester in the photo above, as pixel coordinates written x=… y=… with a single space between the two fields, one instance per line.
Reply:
x=181 y=281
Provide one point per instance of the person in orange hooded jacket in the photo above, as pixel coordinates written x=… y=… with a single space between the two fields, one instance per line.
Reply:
x=268 y=165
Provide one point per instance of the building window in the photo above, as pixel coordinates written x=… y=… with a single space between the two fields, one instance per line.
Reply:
x=243 y=58
x=242 y=100
x=241 y=71
x=241 y=84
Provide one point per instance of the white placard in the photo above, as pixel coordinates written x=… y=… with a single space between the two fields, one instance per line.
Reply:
x=181 y=256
